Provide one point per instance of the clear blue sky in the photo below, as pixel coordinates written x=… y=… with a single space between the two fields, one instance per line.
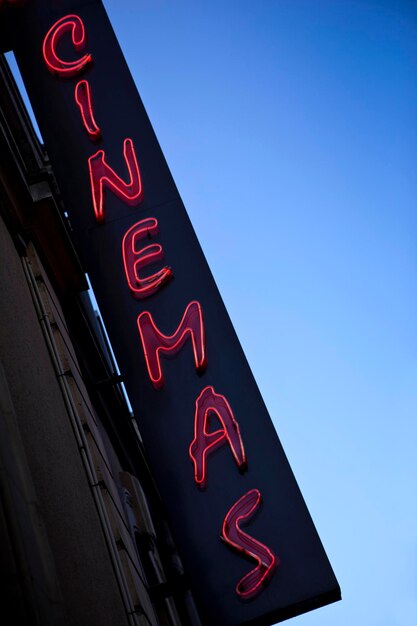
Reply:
x=290 y=127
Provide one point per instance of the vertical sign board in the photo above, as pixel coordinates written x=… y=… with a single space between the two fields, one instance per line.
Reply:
x=246 y=538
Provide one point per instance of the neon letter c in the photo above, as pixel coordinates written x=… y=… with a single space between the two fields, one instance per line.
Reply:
x=54 y=63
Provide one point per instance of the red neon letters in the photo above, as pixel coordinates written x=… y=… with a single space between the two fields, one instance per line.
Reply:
x=136 y=256
x=82 y=97
x=102 y=175
x=53 y=62
x=134 y=259
x=154 y=342
x=241 y=512
x=208 y=403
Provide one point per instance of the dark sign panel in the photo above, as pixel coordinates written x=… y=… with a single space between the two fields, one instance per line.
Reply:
x=248 y=543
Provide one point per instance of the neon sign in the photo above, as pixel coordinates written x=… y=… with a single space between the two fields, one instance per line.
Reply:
x=206 y=430
x=154 y=343
x=134 y=259
x=210 y=403
x=241 y=512
x=102 y=176
x=54 y=63
x=82 y=97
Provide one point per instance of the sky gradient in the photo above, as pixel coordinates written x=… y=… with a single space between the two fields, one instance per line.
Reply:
x=290 y=128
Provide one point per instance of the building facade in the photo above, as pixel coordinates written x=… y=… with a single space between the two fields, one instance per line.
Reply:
x=83 y=533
